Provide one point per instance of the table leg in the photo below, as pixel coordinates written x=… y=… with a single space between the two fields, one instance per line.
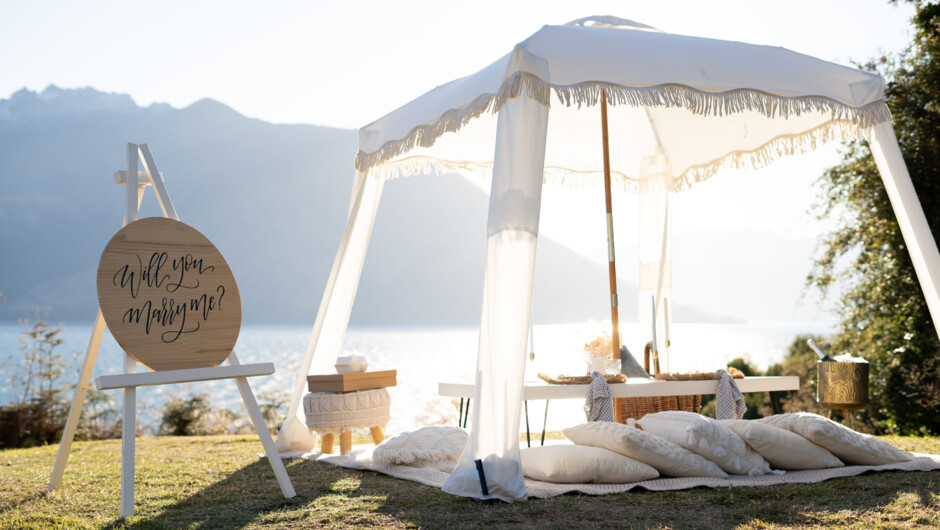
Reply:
x=377 y=435
x=466 y=414
x=544 y=422
x=528 y=441
x=326 y=444
x=773 y=403
x=848 y=414
x=460 y=414
x=345 y=442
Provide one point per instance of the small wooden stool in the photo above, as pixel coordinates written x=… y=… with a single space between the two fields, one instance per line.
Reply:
x=345 y=440
x=332 y=413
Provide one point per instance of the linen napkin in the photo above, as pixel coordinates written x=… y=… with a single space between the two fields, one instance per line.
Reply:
x=729 y=401
x=598 y=406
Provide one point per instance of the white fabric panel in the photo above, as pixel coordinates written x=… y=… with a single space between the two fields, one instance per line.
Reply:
x=329 y=329
x=654 y=225
x=507 y=303
x=692 y=141
x=910 y=214
x=694 y=145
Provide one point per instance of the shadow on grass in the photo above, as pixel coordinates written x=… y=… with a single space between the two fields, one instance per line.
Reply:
x=333 y=496
x=9 y=505
x=233 y=502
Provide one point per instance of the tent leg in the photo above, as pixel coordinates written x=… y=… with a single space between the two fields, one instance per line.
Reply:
x=910 y=214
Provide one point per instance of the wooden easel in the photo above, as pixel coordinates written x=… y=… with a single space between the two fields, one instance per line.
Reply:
x=136 y=183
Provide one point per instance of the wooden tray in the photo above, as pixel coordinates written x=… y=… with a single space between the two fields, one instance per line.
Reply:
x=580 y=379
x=351 y=382
x=699 y=376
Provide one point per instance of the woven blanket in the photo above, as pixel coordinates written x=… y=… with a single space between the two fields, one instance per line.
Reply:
x=361 y=458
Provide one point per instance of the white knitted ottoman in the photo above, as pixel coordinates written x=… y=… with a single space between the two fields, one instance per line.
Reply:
x=328 y=414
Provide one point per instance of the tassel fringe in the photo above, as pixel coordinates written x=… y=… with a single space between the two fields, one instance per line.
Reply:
x=754 y=159
x=588 y=93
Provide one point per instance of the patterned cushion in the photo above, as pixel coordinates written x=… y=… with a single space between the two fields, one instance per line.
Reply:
x=781 y=448
x=667 y=458
x=437 y=446
x=581 y=464
x=851 y=447
x=706 y=437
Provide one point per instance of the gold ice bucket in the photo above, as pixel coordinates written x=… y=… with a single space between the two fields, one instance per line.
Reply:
x=842 y=386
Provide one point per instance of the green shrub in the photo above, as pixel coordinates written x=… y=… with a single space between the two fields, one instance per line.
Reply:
x=38 y=415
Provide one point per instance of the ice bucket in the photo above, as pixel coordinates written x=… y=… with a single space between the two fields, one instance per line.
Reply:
x=842 y=385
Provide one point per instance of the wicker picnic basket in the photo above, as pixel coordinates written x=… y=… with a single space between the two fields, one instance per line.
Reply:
x=637 y=407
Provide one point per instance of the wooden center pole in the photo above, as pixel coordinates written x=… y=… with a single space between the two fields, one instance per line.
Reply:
x=615 y=335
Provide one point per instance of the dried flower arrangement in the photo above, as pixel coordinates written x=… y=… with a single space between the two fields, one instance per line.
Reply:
x=600 y=346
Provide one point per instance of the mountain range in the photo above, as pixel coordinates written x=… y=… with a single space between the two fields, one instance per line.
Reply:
x=272 y=198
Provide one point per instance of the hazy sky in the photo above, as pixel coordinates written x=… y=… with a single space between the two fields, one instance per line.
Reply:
x=344 y=64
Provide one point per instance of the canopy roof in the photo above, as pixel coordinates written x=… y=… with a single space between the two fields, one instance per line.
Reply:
x=703 y=103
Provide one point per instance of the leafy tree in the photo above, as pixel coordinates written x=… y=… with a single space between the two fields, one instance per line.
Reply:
x=42 y=391
x=884 y=314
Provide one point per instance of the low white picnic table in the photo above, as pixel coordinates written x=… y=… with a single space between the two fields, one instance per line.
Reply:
x=634 y=387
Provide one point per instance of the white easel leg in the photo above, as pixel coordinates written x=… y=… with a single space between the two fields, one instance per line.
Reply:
x=270 y=450
x=75 y=413
x=128 y=437
x=133 y=196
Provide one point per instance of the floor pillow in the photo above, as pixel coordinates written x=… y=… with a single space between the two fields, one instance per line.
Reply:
x=781 y=448
x=851 y=447
x=706 y=437
x=666 y=457
x=581 y=464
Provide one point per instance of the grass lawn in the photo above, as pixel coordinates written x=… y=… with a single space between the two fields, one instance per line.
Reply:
x=218 y=482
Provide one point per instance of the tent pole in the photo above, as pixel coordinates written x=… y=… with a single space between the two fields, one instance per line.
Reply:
x=615 y=336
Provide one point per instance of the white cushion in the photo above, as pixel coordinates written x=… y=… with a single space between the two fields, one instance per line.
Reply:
x=706 y=437
x=851 y=447
x=668 y=458
x=579 y=464
x=781 y=448
x=437 y=446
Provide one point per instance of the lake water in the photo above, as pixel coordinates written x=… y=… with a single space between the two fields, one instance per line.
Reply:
x=425 y=356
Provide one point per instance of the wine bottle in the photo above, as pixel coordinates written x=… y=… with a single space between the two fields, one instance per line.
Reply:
x=823 y=356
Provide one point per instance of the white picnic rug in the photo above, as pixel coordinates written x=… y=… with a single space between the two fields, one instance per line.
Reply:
x=361 y=458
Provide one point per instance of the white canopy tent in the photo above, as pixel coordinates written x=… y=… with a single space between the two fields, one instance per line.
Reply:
x=681 y=108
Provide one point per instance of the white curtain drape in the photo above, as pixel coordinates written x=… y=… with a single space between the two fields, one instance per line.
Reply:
x=654 y=250
x=329 y=329
x=910 y=214
x=512 y=234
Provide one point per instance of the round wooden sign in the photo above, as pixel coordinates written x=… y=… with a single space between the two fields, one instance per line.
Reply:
x=168 y=296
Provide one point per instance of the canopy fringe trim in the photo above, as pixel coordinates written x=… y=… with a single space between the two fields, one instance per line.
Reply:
x=752 y=159
x=588 y=93
x=771 y=151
